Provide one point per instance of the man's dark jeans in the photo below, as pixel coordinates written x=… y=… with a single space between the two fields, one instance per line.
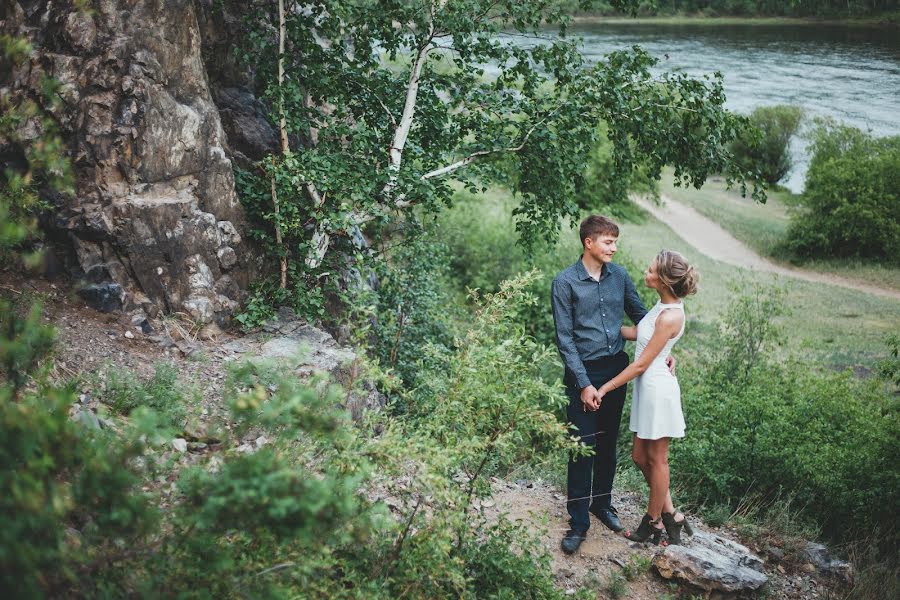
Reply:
x=600 y=430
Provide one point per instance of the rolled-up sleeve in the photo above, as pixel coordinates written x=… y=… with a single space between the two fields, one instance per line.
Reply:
x=634 y=308
x=561 y=301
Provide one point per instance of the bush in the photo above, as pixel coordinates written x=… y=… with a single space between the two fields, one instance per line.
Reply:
x=767 y=151
x=761 y=427
x=162 y=392
x=852 y=197
x=304 y=515
x=414 y=305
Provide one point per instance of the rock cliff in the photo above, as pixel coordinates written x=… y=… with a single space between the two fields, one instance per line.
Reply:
x=154 y=223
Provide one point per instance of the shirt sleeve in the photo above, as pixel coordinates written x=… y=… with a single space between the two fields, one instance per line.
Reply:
x=634 y=308
x=561 y=302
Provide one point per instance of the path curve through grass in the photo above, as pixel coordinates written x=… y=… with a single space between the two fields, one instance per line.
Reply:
x=709 y=238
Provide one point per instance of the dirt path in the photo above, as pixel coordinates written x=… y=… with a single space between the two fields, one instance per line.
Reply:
x=709 y=238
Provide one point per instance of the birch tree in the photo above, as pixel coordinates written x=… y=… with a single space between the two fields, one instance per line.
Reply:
x=392 y=101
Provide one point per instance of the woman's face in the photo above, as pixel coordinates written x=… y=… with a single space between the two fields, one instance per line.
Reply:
x=650 y=277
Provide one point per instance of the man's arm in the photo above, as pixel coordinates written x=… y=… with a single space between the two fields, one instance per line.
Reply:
x=634 y=308
x=561 y=303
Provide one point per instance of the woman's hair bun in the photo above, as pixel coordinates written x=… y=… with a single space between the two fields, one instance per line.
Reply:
x=675 y=272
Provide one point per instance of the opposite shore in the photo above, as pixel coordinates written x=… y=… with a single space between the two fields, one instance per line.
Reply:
x=887 y=21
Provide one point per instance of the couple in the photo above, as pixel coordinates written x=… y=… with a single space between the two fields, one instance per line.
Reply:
x=590 y=300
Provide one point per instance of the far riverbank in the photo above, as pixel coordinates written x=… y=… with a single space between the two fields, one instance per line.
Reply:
x=888 y=21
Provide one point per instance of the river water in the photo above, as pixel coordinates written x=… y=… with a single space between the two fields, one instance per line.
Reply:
x=851 y=74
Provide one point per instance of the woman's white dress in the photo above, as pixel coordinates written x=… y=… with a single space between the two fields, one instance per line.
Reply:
x=656 y=398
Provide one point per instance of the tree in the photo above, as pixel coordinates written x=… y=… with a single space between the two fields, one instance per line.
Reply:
x=393 y=101
x=767 y=148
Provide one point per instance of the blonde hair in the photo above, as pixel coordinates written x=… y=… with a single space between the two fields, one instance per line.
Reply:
x=675 y=272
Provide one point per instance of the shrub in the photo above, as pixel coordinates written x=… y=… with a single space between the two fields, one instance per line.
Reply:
x=852 y=197
x=764 y=427
x=162 y=392
x=414 y=305
x=767 y=150
x=306 y=514
x=605 y=192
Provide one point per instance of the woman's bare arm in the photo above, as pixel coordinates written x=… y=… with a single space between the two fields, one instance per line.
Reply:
x=668 y=324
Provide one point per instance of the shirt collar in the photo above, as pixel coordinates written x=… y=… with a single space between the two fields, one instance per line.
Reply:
x=583 y=275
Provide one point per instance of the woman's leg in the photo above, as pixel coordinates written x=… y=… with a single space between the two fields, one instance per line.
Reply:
x=658 y=467
x=639 y=456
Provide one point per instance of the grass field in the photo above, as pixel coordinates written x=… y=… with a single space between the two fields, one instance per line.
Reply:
x=764 y=226
x=835 y=327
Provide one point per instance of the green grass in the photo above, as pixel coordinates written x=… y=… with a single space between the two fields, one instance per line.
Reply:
x=833 y=326
x=764 y=226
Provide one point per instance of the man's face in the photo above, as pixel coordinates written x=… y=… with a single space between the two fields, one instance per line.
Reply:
x=602 y=247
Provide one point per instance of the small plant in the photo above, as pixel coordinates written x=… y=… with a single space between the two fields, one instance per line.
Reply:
x=124 y=392
x=889 y=368
x=616 y=585
x=636 y=566
x=717 y=515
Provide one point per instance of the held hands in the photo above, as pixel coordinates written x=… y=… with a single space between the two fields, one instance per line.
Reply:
x=590 y=398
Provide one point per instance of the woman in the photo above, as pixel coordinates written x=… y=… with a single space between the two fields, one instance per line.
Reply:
x=656 y=404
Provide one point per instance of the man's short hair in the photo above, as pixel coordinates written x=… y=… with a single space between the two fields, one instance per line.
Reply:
x=596 y=225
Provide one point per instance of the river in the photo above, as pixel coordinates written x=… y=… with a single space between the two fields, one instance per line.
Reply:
x=849 y=73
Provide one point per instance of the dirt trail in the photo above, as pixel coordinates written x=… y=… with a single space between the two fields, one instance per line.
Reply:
x=709 y=238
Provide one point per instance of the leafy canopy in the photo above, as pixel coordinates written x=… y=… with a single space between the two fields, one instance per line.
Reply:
x=392 y=102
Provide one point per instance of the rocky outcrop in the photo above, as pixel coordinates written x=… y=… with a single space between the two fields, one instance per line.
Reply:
x=712 y=563
x=306 y=351
x=154 y=222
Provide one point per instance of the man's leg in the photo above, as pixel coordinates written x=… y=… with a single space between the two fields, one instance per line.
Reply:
x=609 y=417
x=579 y=472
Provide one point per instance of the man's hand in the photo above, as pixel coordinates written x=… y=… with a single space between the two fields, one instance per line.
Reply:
x=589 y=398
x=670 y=362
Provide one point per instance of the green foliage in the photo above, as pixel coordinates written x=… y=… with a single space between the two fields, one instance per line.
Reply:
x=762 y=427
x=616 y=585
x=40 y=161
x=413 y=305
x=637 y=566
x=389 y=125
x=124 y=392
x=69 y=493
x=26 y=342
x=852 y=197
x=606 y=190
x=488 y=399
x=307 y=513
x=889 y=368
x=765 y=148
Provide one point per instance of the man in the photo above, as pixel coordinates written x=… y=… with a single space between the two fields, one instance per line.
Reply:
x=590 y=300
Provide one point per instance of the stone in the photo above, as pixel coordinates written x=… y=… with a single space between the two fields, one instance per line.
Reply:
x=712 y=563
x=129 y=335
x=104 y=297
x=180 y=444
x=227 y=258
x=228 y=234
x=154 y=199
x=821 y=559
x=88 y=419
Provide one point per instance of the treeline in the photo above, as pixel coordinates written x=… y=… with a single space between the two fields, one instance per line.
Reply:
x=752 y=8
